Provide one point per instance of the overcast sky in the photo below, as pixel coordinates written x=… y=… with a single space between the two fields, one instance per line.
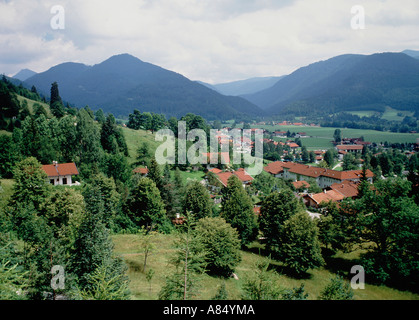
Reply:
x=210 y=40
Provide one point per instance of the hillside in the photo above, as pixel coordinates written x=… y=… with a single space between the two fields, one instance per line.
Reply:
x=123 y=83
x=346 y=83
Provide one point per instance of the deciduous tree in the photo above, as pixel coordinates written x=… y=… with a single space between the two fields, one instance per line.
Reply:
x=197 y=200
x=222 y=244
x=147 y=207
x=237 y=209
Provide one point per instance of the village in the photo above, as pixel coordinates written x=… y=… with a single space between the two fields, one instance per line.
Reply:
x=335 y=184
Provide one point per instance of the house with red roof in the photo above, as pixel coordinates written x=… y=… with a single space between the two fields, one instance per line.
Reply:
x=337 y=192
x=223 y=177
x=315 y=200
x=350 y=148
x=61 y=173
x=301 y=185
x=293 y=145
x=140 y=170
x=217 y=158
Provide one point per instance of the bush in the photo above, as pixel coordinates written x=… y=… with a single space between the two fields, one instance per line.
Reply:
x=337 y=289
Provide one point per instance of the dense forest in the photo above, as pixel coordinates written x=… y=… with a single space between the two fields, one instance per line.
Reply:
x=43 y=226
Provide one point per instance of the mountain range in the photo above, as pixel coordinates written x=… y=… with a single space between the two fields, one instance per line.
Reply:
x=123 y=83
x=347 y=82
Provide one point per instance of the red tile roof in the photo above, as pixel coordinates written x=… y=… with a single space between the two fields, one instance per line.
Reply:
x=216 y=170
x=293 y=145
x=140 y=170
x=300 y=184
x=223 y=177
x=274 y=167
x=225 y=156
x=314 y=172
x=60 y=169
x=327 y=196
x=242 y=175
x=347 y=188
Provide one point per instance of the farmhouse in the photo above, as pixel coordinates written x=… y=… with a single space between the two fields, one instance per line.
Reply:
x=350 y=148
x=61 y=174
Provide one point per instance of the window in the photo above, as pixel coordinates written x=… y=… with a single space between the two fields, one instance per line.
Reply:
x=51 y=181
x=64 y=180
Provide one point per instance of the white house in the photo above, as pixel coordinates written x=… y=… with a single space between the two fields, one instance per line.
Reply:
x=60 y=174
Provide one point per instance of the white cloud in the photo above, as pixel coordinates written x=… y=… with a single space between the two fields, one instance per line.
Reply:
x=209 y=40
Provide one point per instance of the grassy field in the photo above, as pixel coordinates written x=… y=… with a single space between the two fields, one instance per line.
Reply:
x=192 y=175
x=6 y=190
x=135 y=138
x=320 y=138
x=395 y=115
x=389 y=114
x=128 y=247
x=32 y=102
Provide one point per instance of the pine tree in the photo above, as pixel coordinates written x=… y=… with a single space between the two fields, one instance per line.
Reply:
x=55 y=94
x=189 y=261
x=154 y=173
x=261 y=284
x=56 y=103
x=144 y=154
x=104 y=285
x=337 y=289
x=222 y=293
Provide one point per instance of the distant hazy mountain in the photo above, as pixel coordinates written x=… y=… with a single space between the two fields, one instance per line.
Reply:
x=412 y=53
x=124 y=83
x=24 y=74
x=344 y=83
x=243 y=87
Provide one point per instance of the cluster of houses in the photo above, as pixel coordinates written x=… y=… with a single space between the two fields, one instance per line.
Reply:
x=336 y=185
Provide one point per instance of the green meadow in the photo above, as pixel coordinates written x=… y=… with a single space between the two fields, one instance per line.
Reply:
x=322 y=137
x=128 y=247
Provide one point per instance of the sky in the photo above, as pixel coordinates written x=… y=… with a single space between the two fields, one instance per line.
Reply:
x=215 y=41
